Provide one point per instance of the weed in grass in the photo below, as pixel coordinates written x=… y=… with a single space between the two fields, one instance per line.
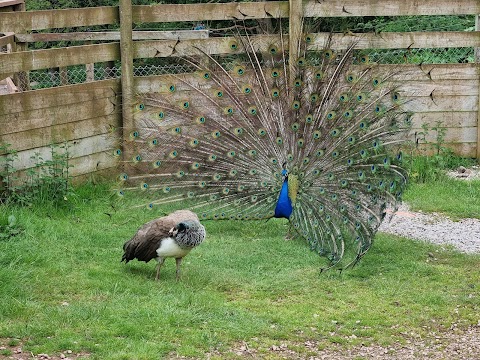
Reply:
x=8 y=226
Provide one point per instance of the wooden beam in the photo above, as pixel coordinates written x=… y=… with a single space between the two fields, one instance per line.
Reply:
x=18 y=22
x=210 y=11
x=56 y=115
x=44 y=59
x=127 y=54
x=312 y=8
x=348 y=8
x=58 y=133
x=402 y=40
x=220 y=45
x=113 y=36
x=295 y=21
x=49 y=19
x=477 y=60
x=58 y=96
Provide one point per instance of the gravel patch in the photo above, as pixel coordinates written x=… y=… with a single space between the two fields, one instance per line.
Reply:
x=451 y=345
x=435 y=228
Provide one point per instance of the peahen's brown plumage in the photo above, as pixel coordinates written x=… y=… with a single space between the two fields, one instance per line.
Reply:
x=312 y=139
x=169 y=236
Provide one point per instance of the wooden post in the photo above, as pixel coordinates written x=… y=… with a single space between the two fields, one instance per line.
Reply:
x=294 y=33
x=126 y=55
x=21 y=79
x=477 y=60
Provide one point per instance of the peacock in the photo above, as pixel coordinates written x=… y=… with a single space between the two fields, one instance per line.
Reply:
x=313 y=137
x=174 y=236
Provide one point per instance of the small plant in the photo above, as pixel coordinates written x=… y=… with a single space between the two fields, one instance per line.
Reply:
x=8 y=227
x=48 y=182
x=429 y=160
x=7 y=170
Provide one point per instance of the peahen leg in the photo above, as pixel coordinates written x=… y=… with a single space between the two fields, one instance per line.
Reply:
x=179 y=262
x=159 y=265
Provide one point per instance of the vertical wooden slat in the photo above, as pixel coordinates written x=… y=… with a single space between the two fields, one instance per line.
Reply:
x=21 y=79
x=126 y=55
x=477 y=60
x=295 y=31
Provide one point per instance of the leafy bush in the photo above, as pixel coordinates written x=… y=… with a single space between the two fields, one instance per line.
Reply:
x=430 y=160
x=47 y=183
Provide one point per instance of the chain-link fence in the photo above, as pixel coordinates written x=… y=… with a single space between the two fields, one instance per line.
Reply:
x=158 y=66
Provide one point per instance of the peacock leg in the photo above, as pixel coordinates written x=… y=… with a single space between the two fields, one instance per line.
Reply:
x=159 y=265
x=179 y=262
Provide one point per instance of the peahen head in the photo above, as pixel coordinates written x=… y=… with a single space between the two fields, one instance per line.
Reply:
x=188 y=233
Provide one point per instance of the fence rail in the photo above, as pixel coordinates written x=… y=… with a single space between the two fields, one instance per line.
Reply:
x=89 y=114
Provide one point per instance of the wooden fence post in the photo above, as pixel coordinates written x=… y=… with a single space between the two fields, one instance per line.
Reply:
x=295 y=22
x=477 y=60
x=21 y=79
x=126 y=56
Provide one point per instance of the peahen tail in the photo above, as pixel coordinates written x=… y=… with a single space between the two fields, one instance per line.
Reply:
x=311 y=139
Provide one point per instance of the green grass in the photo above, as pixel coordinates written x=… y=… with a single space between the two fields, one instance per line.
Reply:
x=63 y=287
x=455 y=198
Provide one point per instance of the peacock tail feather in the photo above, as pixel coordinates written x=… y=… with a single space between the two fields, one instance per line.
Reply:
x=313 y=142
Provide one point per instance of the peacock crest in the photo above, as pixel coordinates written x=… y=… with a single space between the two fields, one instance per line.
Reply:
x=313 y=139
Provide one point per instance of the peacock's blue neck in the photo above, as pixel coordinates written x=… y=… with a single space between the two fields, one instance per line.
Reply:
x=284 y=204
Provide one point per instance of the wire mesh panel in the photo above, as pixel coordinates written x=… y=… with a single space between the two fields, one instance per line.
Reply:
x=356 y=26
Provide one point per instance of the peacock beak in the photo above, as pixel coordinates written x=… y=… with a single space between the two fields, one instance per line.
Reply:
x=173 y=232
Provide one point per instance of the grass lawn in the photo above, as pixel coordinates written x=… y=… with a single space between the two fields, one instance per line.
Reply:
x=63 y=287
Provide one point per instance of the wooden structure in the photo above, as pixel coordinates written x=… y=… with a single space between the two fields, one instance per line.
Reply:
x=89 y=115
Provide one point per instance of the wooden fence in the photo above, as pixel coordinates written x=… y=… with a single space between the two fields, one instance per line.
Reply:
x=86 y=115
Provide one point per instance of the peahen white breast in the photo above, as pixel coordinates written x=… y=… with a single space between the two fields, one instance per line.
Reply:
x=316 y=142
x=174 y=236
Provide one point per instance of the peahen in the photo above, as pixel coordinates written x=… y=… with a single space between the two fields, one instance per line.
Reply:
x=174 y=236
x=313 y=139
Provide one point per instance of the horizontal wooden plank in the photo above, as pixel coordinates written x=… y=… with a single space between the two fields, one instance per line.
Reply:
x=467 y=150
x=312 y=8
x=452 y=135
x=59 y=96
x=112 y=36
x=157 y=48
x=43 y=59
x=411 y=72
x=447 y=119
x=201 y=12
x=51 y=19
x=440 y=87
x=77 y=148
x=459 y=103
x=46 y=117
x=45 y=136
x=222 y=45
x=347 y=8
x=98 y=163
x=401 y=40
x=102 y=162
x=402 y=73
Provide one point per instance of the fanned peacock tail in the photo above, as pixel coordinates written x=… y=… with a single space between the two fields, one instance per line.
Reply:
x=309 y=139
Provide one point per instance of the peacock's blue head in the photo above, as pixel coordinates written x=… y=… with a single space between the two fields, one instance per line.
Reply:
x=284 y=172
